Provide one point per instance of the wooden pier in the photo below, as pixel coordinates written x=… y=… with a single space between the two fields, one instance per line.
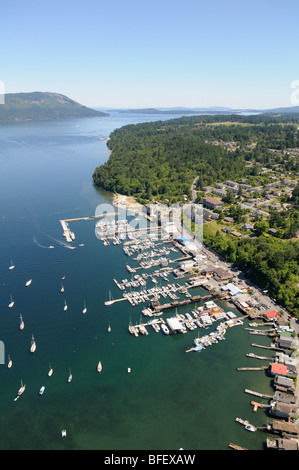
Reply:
x=257 y=394
x=253 y=368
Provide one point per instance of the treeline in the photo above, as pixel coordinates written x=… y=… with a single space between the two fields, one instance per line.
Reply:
x=159 y=160
x=270 y=263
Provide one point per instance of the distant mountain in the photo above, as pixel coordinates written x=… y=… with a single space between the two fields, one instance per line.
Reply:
x=291 y=109
x=40 y=106
x=211 y=110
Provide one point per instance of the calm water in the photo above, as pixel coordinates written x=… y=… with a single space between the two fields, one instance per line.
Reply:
x=171 y=399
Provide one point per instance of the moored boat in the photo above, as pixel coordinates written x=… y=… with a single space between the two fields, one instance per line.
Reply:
x=164 y=329
x=33 y=345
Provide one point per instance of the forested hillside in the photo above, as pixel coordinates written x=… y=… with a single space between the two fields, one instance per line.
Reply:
x=159 y=160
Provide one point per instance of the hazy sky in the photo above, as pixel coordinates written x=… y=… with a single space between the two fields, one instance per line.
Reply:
x=157 y=53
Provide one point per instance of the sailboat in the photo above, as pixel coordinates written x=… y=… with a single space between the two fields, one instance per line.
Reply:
x=11 y=302
x=99 y=366
x=21 y=323
x=84 y=309
x=22 y=389
x=33 y=345
x=50 y=371
x=28 y=283
x=11 y=265
x=110 y=301
x=62 y=288
x=9 y=364
x=65 y=306
x=70 y=377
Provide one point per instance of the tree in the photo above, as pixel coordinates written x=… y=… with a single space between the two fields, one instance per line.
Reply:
x=261 y=227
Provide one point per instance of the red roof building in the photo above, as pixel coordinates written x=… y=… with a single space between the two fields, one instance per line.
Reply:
x=278 y=369
x=270 y=314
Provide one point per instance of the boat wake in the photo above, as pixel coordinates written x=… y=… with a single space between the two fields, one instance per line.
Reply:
x=40 y=245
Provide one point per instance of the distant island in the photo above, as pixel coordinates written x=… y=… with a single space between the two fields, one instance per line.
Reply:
x=40 y=106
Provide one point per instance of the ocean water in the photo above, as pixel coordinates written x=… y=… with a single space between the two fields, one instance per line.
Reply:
x=171 y=399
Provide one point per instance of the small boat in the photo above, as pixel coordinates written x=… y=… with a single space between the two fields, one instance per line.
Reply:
x=65 y=306
x=164 y=329
x=250 y=427
x=9 y=364
x=11 y=265
x=70 y=377
x=63 y=277
x=11 y=302
x=42 y=389
x=28 y=283
x=84 y=309
x=21 y=389
x=99 y=367
x=62 y=288
x=51 y=246
x=63 y=433
x=109 y=328
x=33 y=345
x=50 y=371
x=22 y=324
x=129 y=370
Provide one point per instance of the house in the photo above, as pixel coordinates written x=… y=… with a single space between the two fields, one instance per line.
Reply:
x=283 y=444
x=276 y=369
x=212 y=203
x=285 y=342
x=270 y=315
x=284 y=383
x=282 y=410
x=284 y=427
x=247 y=227
x=221 y=274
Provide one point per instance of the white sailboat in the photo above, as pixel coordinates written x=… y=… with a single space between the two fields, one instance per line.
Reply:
x=84 y=309
x=11 y=265
x=33 y=345
x=50 y=371
x=9 y=364
x=110 y=301
x=62 y=288
x=22 y=324
x=65 y=306
x=99 y=366
x=11 y=302
x=28 y=283
x=21 y=389
x=70 y=377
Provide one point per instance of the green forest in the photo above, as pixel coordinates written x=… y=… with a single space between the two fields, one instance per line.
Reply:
x=159 y=160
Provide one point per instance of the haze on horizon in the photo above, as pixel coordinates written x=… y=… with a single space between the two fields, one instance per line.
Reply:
x=157 y=54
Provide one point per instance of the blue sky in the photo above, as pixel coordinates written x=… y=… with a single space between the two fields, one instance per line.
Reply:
x=158 y=53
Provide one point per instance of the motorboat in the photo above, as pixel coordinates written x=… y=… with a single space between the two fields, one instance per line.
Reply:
x=42 y=389
x=28 y=283
x=9 y=364
x=21 y=389
x=62 y=288
x=22 y=324
x=65 y=306
x=11 y=302
x=84 y=309
x=164 y=329
x=50 y=371
x=129 y=370
x=11 y=265
x=33 y=345
x=70 y=377
x=99 y=367
x=63 y=433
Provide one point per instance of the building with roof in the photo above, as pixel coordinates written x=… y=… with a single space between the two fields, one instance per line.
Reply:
x=278 y=369
x=212 y=203
x=282 y=410
x=270 y=315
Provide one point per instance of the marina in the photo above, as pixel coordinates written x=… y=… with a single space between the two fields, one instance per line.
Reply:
x=138 y=371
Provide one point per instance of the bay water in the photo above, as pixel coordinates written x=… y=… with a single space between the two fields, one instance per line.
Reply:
x=171 y=399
